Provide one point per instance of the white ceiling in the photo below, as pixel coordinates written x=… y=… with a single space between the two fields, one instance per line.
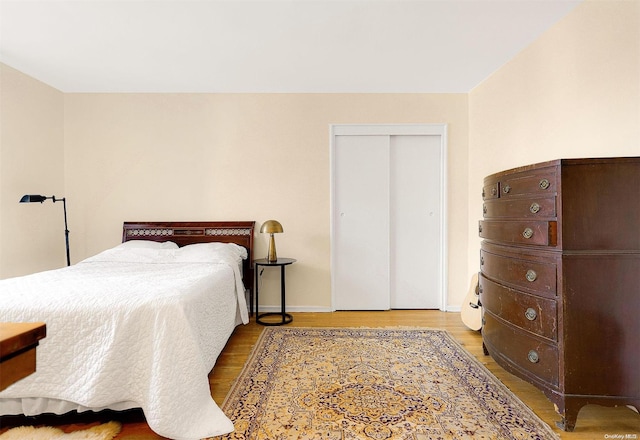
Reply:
x=316 y=46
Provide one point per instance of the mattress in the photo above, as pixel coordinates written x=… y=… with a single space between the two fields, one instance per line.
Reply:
x=131 y=328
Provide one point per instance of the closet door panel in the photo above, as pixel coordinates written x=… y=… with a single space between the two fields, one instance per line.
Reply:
x=415 y=221
x=361 y=223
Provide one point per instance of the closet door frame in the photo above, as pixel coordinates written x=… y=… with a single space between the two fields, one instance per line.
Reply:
x=394 y=130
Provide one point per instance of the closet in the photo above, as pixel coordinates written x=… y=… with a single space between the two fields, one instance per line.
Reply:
x=388 y=216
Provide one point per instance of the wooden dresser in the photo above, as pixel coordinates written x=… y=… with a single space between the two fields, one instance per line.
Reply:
x=560 y=279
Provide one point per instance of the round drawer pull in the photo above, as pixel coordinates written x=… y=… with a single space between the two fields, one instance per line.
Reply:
x=506 y=189
x=484 y=209
x=494 y=191
x=531 y=275
x=527 y=233
x=544 y=184
x=531 y=314
x=533 y=357
x=534 y=208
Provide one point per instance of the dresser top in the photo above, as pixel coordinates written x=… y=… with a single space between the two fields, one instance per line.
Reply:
x=568 y=162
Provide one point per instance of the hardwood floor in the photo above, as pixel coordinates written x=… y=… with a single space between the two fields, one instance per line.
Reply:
x=594 y=422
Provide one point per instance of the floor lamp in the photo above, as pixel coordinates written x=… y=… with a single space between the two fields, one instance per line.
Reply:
x=41 y=199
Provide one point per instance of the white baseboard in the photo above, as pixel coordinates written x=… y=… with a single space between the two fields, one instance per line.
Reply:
x=276 y=309
x=316 y=309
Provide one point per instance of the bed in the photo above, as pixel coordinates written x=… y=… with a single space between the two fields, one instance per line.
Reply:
x=139 y=325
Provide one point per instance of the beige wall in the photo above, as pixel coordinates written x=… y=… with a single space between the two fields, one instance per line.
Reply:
x=574 y=92
x=31 y=162
x=239 y=157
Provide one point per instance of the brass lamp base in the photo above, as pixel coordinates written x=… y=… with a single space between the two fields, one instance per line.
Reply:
x=272 y=256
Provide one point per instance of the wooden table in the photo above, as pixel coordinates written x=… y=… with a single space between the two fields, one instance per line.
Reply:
x=18 y=342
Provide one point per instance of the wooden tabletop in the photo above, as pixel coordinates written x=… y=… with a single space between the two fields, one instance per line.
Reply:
x=16 y=336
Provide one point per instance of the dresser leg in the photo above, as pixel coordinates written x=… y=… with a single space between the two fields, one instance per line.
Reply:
x=568 y=422
x=484 y=350
x=565 y=425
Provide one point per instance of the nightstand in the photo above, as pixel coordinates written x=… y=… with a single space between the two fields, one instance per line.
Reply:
x=282 y=263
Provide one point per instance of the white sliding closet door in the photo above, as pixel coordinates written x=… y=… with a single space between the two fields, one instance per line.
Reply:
x=414 y=246
x=362 y=231
x=387 y=217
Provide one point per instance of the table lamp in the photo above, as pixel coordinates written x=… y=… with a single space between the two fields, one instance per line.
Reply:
x=271 y=227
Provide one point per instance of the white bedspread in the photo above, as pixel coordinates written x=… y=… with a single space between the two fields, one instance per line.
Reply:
x=127 y=332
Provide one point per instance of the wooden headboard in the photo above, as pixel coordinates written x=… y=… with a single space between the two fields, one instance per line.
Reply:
x=184 y=233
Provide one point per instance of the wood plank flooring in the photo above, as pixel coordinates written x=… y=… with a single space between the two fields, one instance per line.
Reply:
x=594 y=422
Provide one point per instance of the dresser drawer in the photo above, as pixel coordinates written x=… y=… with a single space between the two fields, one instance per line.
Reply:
x=528 y=354
x=535 y=233
x=528 y=312
x=539 y=182
x=540 y=207
x=530 y=275
x=490 y=191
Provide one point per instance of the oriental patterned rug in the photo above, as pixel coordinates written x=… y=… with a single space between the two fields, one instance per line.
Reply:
x=314 y=383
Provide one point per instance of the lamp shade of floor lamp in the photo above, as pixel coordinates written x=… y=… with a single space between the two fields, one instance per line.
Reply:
x=271 y=227
x=30 y=198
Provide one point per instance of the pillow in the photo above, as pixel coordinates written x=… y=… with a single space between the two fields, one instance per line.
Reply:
x=209 y=252
x=146 y=251
x=147 y=244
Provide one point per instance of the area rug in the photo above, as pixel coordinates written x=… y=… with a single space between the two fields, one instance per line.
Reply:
x=105 y=431
x=348 y=383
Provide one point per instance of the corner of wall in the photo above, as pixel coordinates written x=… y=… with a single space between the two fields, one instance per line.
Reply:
x=31 y=161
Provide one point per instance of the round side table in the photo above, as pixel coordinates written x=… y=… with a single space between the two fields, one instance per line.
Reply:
x=285 y=317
